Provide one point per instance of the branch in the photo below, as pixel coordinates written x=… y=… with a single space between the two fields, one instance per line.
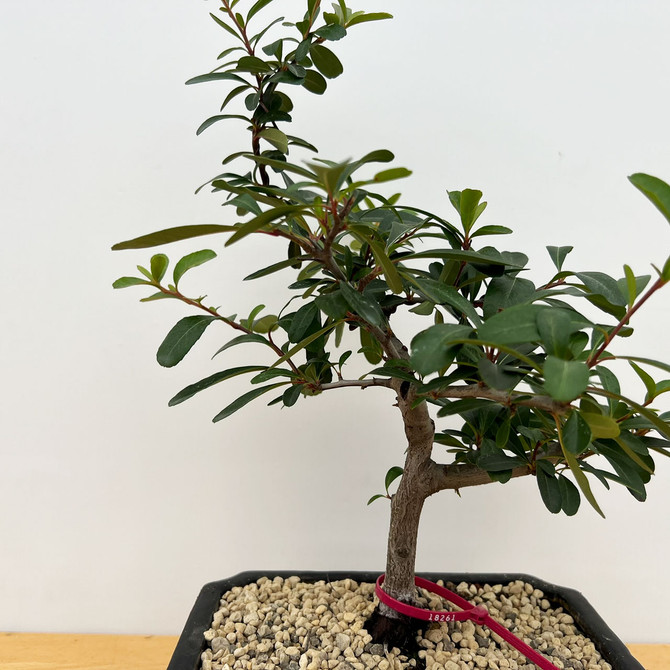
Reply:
x=593 y=359
x=237 y=326
x=461 y=476
x=360 y=383
x=502 y=397
x=456 y=477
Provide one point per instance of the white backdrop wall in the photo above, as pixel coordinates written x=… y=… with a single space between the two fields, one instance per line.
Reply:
x=114 y=509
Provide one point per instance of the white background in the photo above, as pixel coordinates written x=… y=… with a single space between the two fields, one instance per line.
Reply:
x=114 y=509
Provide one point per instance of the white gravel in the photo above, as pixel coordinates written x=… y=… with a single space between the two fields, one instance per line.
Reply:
x=288 y=624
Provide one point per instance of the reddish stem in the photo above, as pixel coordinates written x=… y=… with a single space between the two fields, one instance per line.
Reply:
x=594 y=359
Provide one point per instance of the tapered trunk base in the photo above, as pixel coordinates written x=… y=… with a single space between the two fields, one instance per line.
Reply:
x=400 y=632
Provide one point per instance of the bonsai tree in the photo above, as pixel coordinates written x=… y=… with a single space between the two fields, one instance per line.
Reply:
x=524 y=368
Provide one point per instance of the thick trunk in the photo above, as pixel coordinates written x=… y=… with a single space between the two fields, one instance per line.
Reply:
x=407 y=503
x=406 y=509
x=386 y=625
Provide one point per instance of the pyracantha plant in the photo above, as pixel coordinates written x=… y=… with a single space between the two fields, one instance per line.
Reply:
x=525 y=369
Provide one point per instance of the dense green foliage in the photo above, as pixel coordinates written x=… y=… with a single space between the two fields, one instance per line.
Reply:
x=522 y=365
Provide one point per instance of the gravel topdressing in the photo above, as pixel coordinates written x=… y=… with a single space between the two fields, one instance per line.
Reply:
x=288 y=624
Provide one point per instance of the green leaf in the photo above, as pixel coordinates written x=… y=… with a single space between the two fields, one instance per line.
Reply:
x=576 y=433
x=570 y=499
x=655 y=189
x=245 y=400
x=363 y=305
x=601 y=425
x=495 y=460
x=253 y=64
x=391 y=174
x=370 y=347
x=602 y=284
x=663 y=427
x=609 y=382
x=219 y=117
x=265 y=324
x=467 y=204
x=665 y=273
x=262 y=220
x=275 y=267
x=474 y=257
x=256 y=7
x=191 y=261
x=333 y=305
x=233 y=94
x=256 y=38
x=432 y=348
x=304 y=343
x=632 y=455
x=332 y=175
x=325 y=61
x=507 y=291
x=491 y=230
x=423 y=309
x=281 y=166
x=159 y=264
x=125 y=282
x=228 y=28
x=157 y=296
x=513 y=325
x=649 y=361
x=216 y=76
x=391 y=476
x=181 y=338
x=647 y=380
x=301 y=143
x=372 y=16
x=461 y=406
x=276 y=138
x=502 y=434
x=441 y=294
x=398 y=371
x=580 y=477
x=377 y=156
x=629 y=474
x=146 y=273
x=291 y=395
x=243 y=339
x=303 y=319
x=388 y=267
x=550 y=491
x=249 y=321
x=332 y=32
x=217 y=377
x=497 y=376
x=376 y=497
x=314 y=82
x=555 y=328
x=172 y=235
x=558 y=255
x=245 y=204
x=631 y=285
x=565 y=380
x=272 y=373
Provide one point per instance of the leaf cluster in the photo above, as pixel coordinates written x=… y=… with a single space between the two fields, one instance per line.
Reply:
x=523 y=368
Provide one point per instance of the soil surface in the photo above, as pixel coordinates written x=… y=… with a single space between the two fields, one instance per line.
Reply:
x=287 y=624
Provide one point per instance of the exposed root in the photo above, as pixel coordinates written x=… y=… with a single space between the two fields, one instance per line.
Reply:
x=400 y=632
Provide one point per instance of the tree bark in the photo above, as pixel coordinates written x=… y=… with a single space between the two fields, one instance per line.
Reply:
x=407 y=503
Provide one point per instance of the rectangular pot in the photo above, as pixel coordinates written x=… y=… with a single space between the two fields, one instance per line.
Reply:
x=192 y=642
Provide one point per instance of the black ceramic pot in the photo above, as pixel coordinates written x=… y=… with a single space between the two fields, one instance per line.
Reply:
x=192 y=643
